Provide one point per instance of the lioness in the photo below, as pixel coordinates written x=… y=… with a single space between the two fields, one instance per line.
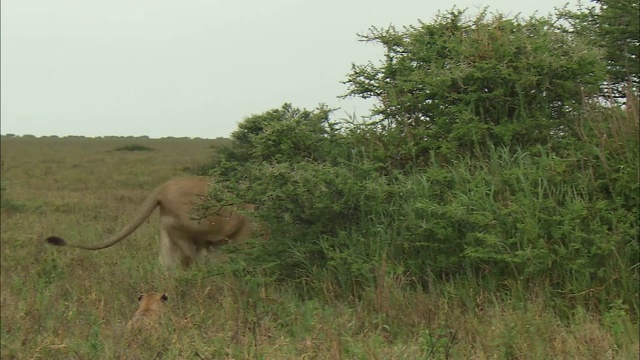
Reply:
x=150 y=307
x=182 y=237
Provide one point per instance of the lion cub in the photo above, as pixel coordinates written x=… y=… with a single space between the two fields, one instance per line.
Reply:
x=151 y=306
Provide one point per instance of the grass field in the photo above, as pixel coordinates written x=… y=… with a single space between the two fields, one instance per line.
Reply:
x=73 y=304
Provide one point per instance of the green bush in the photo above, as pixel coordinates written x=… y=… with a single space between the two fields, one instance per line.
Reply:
x=284 y=134
x=456 y=86
x=547 y=196
x=524 y=217
x=614 y=26
x=133 y=147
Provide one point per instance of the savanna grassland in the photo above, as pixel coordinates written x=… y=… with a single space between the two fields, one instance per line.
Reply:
x=486 y=208
x=72 y=304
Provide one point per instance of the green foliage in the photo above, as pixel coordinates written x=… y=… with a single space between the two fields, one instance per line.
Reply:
x=309 y=206
x=616 y=320
x=439 y=344
x=619 y=32
x=455 y=86
x=283 y=134
x=133 y=147
x=94 y=343
x=525 y=216
x=614 y=25
x=488 y=162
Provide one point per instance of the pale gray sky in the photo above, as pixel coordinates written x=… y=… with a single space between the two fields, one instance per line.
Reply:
x=190 y=68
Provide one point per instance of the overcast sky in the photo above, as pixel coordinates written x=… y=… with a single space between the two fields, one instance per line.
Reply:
x=190 y=68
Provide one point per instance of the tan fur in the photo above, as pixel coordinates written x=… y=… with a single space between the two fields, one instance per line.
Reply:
x=150 y=307
x=182 y=237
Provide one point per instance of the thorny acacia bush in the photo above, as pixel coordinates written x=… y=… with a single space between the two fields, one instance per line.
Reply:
x=561 y=213
x=284 y=134
x=458 y=86
x=567 y=220
x=614 y=25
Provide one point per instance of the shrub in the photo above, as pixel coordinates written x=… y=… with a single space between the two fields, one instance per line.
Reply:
x=457 y=86
x=350 y=202
x=133 y=147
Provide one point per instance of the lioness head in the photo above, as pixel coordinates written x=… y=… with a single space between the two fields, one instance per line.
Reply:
x=150 y=308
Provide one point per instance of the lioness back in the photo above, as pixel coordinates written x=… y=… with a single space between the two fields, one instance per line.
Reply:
x=150 y=308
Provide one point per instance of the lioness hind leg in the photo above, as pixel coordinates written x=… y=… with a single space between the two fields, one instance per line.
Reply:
x=170 y=254
x=177 y=248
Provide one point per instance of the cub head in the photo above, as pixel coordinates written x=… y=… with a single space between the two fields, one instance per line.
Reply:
x=150 y=308
x=152 y=298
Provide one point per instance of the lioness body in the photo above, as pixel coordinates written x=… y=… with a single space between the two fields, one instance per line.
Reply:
x=150 y=308
x=182 y=237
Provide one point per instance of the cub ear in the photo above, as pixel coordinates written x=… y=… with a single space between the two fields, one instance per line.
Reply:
x=164 y=297
x=140 y=297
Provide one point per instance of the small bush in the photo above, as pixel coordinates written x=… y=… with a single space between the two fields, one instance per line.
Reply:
x=133 y=147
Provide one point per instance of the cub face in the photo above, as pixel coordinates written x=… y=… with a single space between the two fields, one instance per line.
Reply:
x=150 y=308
